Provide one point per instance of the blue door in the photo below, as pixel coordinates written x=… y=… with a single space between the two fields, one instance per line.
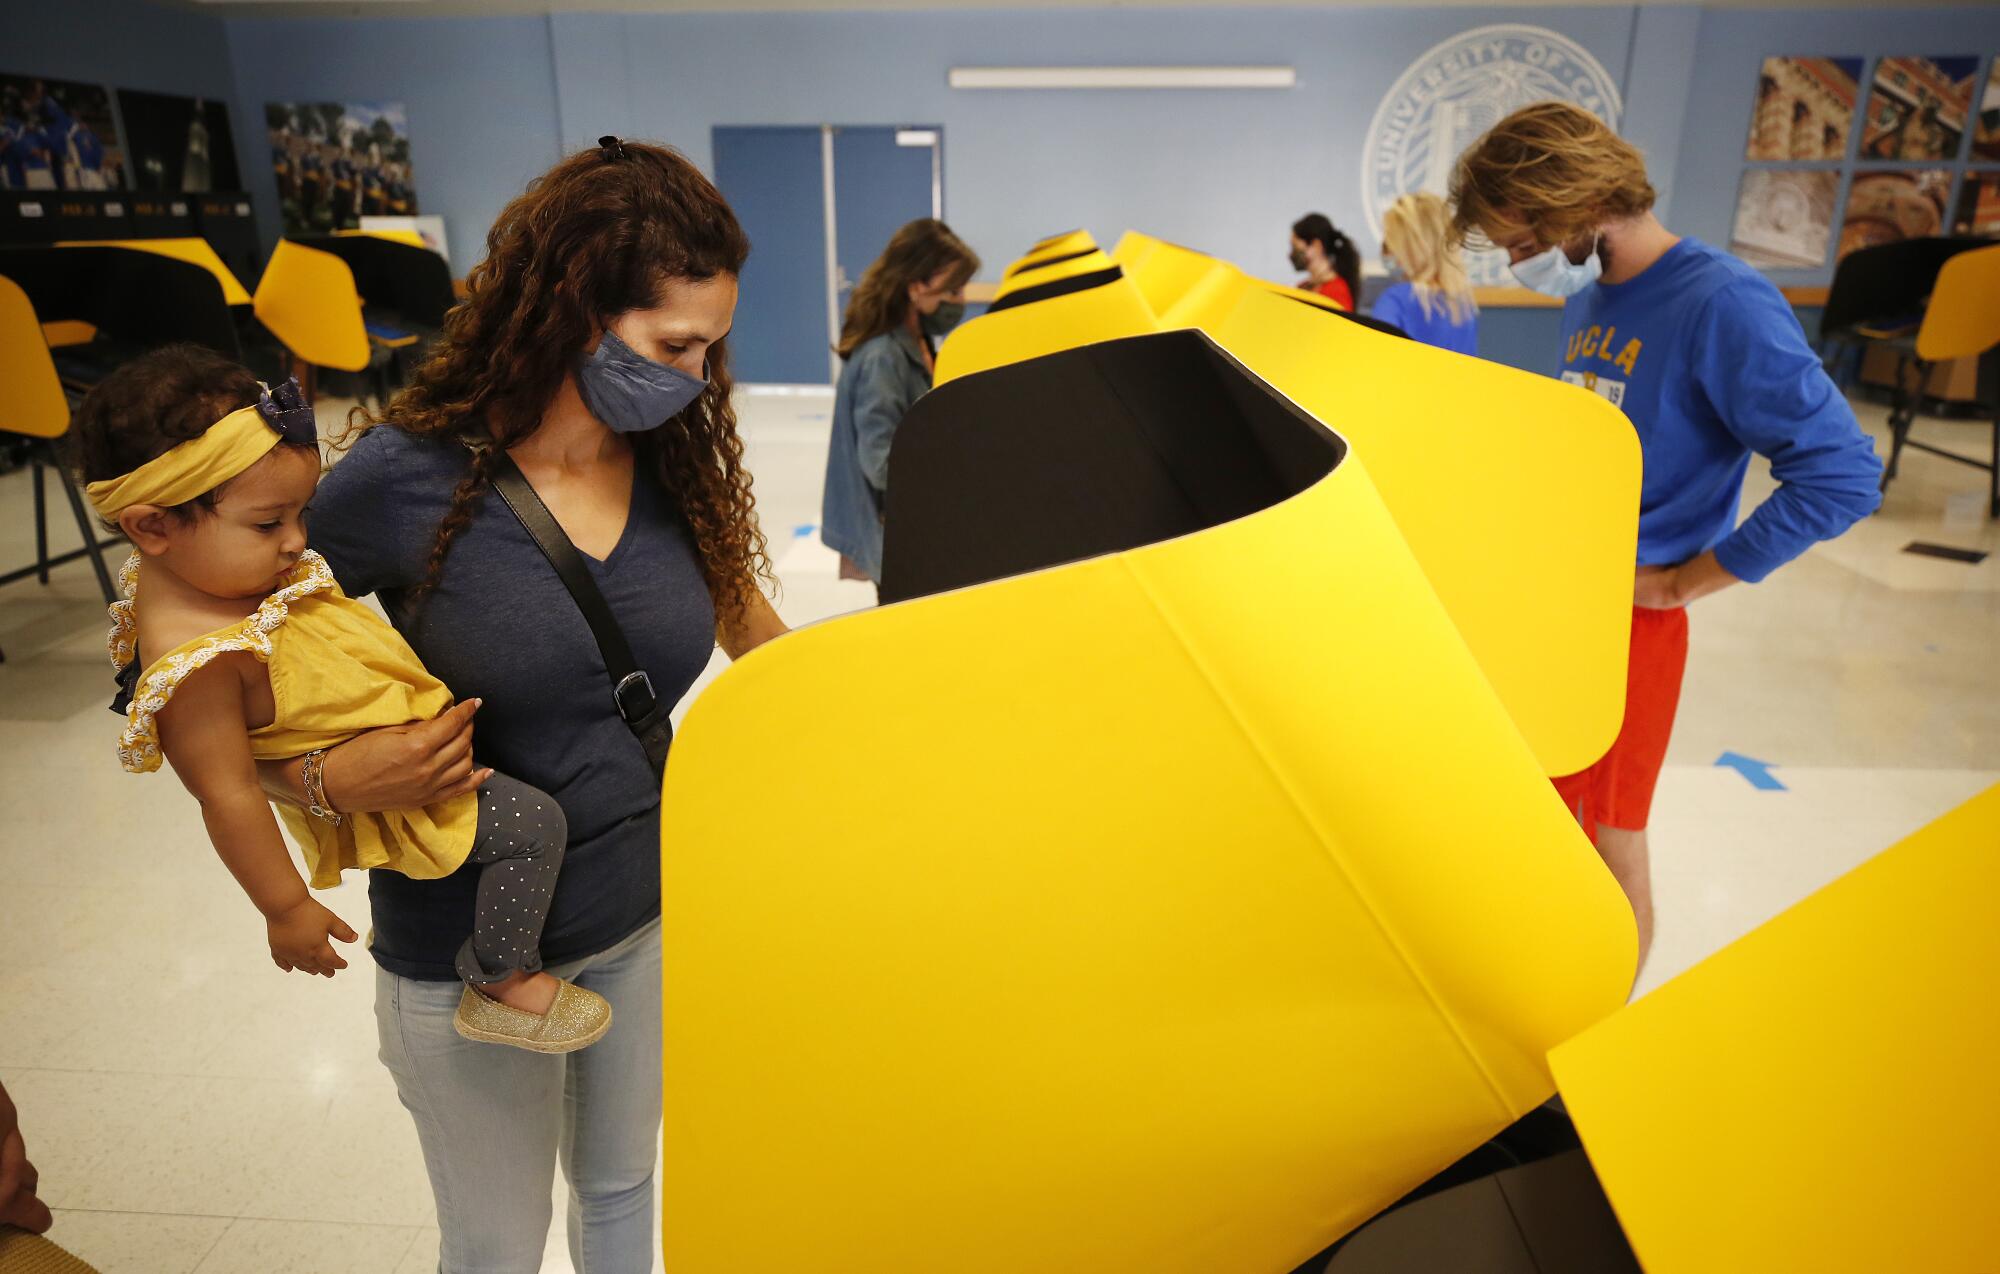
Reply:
x=882 y=179
x=774 y=179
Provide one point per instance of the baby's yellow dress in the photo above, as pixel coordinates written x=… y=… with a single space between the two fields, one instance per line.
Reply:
x=336 y=670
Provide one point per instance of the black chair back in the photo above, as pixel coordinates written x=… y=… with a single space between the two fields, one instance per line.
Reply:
x=136 y=300
x=412 y=283
x=1886 y=283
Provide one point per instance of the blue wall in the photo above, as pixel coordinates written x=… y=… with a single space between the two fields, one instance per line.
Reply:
x=493 y=101
x=480 y=94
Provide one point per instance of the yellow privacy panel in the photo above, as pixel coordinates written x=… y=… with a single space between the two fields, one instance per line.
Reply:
x=1075 y=243
x=1092 y=262
x=1163 y=915
x=1132 y=247
x=1517 y=493
x=1029 y=327
x=1166 y=271
x=1820 y=1095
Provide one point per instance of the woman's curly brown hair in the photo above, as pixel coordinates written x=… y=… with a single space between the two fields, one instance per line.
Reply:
x=594 y=237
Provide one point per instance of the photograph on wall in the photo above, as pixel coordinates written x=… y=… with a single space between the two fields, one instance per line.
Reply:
x=179 y=143
x=1918 y=107
x=1784 y=216
x=1978 y=206
x=58 y=135
x=1986 y=129
x=1805 y=108
x=337 y=162
x=1885 y=207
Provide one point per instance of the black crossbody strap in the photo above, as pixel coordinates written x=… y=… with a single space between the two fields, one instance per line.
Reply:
x=631 y=688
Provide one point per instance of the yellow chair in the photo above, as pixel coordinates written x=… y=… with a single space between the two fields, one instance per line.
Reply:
x=308 y=301
x=1961 y=321
x=1517 y=493
x=1819 y=1095
x=35 y=411
x=1167 y=914
x=193 y=251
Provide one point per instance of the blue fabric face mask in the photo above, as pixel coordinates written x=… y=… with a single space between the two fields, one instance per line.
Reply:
x=629 y=392
x=1552 y=273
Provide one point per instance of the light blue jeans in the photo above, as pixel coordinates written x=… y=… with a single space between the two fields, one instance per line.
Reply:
x=493 y=1119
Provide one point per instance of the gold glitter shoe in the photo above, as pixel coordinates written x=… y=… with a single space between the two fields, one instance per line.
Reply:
x=577 y=1019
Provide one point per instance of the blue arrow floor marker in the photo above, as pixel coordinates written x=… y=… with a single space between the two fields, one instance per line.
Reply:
x=803 y=529
x=1758 y=772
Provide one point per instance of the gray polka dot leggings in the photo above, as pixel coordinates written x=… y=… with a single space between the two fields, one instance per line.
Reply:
x=520 y=846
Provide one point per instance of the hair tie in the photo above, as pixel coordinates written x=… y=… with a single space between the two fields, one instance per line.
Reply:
x=611 y=148
x=288 y=413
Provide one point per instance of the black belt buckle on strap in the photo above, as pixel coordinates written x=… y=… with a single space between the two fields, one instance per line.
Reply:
x=635 y=697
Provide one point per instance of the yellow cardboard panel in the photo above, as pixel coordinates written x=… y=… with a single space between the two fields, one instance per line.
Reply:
x=1167 y=271
x=1035 y=276
x=1819 y=1095
x=1062 y=245
x=1102 y=313
x=1163 y=915
x=1518 y=494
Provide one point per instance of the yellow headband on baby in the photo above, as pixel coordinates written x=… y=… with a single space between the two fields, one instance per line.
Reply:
x=224 y=450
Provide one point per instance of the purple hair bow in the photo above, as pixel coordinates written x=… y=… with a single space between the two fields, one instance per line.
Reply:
x=288 y=413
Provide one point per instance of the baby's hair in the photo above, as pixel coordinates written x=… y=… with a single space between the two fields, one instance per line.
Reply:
x=151 y=405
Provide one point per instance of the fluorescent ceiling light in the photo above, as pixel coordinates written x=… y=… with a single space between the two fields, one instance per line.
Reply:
x=916 y=137
x=1123 y=77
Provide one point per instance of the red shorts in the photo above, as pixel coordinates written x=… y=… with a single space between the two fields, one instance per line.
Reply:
x=1618 y=790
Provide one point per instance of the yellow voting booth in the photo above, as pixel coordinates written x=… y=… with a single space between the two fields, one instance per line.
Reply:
x=1819 y=1095
x=1168 y=916
x=1517 y=493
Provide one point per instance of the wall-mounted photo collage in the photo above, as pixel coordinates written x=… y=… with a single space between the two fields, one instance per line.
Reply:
x=337 y=162
x=1912 y=151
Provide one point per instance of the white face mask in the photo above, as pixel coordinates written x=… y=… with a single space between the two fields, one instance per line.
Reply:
x=1552 y=273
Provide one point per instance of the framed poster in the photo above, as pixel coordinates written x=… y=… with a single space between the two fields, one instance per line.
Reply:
x=336 y=162
x=1884 y=207
x=1978 y=205
x=1784 y=216
x=1917 y=107
x=1805 y=108
x=58 y=135
x=179 y=143
x=1986 y=129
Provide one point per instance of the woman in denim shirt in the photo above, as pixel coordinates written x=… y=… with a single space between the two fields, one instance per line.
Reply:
x=910 y=297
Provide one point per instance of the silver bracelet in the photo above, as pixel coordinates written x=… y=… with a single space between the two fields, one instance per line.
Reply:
x=313 y=775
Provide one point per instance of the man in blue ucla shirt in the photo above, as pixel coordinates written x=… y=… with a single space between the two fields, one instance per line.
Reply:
x=1705 y=357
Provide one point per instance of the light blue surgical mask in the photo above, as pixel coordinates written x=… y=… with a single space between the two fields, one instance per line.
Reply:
x=1552 y=273
x=629 y=392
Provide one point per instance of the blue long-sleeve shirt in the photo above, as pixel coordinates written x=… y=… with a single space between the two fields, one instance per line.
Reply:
x=1709 y=362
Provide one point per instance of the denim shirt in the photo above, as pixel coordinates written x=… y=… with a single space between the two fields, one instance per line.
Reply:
x=881 y=380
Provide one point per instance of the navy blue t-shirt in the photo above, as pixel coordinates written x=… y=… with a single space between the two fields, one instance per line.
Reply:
x=502 y=628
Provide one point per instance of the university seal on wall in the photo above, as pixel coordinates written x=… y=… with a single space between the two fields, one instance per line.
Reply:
x=1456 y=91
